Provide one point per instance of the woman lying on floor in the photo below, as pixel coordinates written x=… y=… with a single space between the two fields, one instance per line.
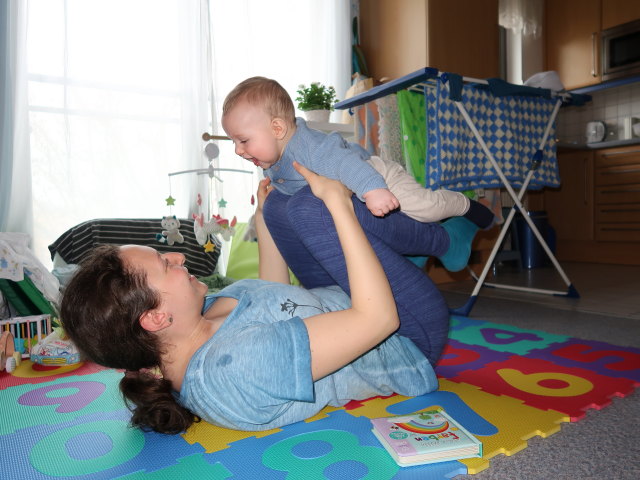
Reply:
x=261 y=353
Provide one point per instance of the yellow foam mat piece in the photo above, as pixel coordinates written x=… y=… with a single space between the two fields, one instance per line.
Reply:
x=516 y=422
x=214 y=439
x=376 y=407
x=26 y=369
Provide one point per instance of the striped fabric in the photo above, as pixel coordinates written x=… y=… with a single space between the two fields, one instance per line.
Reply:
x=77 y=241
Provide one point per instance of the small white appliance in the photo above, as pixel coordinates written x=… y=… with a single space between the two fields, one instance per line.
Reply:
x=595 y=132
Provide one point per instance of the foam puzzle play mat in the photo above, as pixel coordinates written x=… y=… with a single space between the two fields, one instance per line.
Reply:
x=502 y=383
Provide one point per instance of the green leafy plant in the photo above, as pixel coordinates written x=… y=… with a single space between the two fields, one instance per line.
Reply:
x=316 y=97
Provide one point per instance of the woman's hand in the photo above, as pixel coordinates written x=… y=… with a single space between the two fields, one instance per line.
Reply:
x=264 y=188
x=324 y=188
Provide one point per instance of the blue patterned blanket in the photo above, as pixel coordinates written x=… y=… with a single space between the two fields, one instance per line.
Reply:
x=511 y=126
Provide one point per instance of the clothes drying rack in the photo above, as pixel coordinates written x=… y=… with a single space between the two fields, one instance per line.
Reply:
x=426 y=78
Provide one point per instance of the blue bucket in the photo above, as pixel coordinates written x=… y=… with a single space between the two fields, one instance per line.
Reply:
x=531 y=252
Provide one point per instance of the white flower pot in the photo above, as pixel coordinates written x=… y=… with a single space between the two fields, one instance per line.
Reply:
x=317 y=115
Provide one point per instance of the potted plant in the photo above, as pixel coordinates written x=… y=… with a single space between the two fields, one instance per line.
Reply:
x=316 y=101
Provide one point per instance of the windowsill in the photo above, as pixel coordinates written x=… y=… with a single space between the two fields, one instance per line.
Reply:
x=347 y=130
x=332 y=127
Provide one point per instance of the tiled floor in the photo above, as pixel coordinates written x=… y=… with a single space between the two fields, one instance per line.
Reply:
x=604 y=289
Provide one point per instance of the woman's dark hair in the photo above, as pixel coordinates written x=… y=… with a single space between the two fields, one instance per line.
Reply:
x=100 y=311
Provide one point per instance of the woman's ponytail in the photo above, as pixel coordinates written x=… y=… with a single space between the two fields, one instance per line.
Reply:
x=153 y=405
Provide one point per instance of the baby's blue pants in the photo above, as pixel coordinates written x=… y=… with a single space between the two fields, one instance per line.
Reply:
x=303 y=230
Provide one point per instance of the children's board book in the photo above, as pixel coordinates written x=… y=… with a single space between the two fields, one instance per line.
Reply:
x=425 y=437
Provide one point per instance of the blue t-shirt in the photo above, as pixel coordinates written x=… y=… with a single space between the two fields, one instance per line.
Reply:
x=254 y=373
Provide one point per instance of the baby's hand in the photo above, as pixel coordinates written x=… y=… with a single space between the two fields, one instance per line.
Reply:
x=381 y=201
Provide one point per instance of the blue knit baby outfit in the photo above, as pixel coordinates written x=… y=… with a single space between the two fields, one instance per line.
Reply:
x=329 y=155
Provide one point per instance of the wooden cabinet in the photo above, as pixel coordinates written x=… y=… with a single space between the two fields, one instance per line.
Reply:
x=617 y=195
x=570 y=207
x=572 y=41
x=617 y=12
x=573 y=30
x=401 y=36
x=596 y=210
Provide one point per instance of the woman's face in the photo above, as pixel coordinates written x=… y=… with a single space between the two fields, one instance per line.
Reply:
x=166 y=273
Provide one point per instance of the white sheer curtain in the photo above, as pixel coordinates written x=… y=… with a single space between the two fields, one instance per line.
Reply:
x=119 y=94
x=292 y=41
x=15 y=169
x=523 y=17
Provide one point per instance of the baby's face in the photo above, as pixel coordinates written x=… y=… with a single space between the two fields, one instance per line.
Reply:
x=250 y=128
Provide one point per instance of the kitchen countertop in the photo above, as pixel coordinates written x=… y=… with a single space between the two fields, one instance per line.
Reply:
x=598 y=145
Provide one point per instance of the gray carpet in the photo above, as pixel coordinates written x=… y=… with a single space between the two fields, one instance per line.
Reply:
x=603 y=445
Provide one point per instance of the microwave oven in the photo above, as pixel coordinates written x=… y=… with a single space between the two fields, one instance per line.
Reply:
x=620 y=51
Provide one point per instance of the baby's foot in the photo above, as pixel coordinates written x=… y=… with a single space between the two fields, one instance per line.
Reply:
x=482 y=216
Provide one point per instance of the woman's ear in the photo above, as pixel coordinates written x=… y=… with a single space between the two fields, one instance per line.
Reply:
x=279 y=128
x=154 y=320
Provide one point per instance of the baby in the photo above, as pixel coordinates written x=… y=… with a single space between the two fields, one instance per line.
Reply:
x=259 y=116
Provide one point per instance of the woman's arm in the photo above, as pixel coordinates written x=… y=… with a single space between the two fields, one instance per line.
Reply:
x=271 y=265
x=337 y=338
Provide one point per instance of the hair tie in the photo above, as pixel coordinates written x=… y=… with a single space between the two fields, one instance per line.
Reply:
x=154 y=372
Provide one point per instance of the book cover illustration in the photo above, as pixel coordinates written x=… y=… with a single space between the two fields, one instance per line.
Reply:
x=425 y=437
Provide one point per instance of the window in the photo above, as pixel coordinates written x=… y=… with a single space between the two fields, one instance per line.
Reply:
x=120 y=92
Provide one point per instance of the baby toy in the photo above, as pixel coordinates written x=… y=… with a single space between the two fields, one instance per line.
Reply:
x=215 y=225
x=7 y=358
x=226 y=229
x=205 y=231
x=55 y=349
x=33 y=337
x=171 y=233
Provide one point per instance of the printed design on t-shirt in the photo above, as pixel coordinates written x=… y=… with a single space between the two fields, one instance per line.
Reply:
x=290 y=306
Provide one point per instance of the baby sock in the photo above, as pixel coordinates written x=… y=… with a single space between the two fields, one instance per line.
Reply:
x=479 y=214
x=461 y=233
